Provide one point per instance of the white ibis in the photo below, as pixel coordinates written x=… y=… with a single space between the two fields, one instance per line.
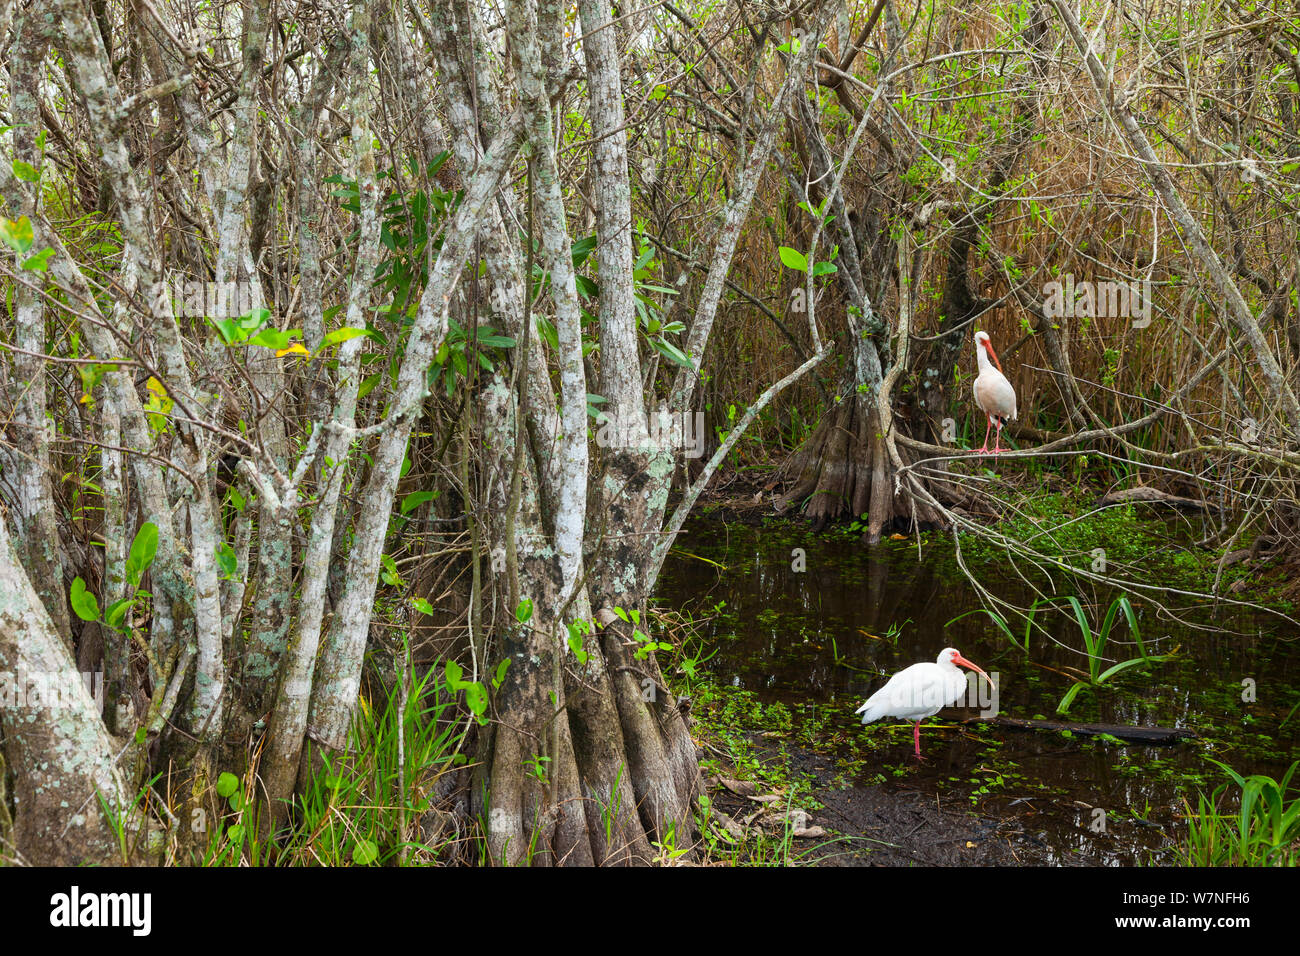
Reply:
x=921 y=691
x=993 y=393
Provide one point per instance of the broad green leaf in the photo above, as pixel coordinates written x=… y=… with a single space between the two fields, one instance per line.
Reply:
x=229 y=330
x=84 y=604
x=575 y=644
x=343 y=335
x=476 y=699
x=227 y=784
x=793 y=259
x=415 y=499
x=365 y=852
x=39 y=262
x=17 y=233
x=254 y=319
x=583 y=248
x=271 y=339
x=143 y=549
x=227 y=561
x=116 y=612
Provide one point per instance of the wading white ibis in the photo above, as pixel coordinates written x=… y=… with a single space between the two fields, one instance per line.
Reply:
x=921 y=691
x=993 y=393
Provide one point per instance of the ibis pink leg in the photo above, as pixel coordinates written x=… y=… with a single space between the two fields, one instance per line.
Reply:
x=984 y=449
x=997 y=439
x=916 y=738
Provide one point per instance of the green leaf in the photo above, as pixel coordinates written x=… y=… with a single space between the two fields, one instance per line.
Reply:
x=415 y=499
x=143 y=549
x=227 y=784
x=575 y=643
x=91 y=375
x=524 y=612
x=1001 y=624
x=673 y=353
x=1110 y=672
x=343 y=335
x=454 y=674
x=547 y=332
x=227 y=561
x=583 y=248
x=824 y=268
x=422 y=605
x=365 y=852
x=17 y=233
x=476 y=699
x=1131 y=616
x=1064 y=706
x=793 y=259
x=83 y=602
x=271 y=339
x=501 y=673
x=115 y=613
x=39 y=262
x=26 y=171
x=228 y=329
x=254 y=319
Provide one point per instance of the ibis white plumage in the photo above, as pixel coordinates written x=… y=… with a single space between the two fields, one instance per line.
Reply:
x=921 y=691
x=993 y=392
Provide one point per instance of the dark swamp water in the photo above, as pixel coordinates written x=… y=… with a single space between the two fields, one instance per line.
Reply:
x=1037 y=795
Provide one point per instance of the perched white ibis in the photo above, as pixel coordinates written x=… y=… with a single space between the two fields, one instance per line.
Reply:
x=921 y=691
x=993 y=393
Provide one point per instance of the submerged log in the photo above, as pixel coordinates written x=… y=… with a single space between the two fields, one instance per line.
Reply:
x=1144 y=495
x=1141 y=735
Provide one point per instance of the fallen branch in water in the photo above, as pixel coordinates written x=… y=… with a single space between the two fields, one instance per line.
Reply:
x=1141 y=735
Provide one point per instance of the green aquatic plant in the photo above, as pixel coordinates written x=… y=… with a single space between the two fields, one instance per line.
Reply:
x=361 y=808
x=1095 y=645
x=1000 y=622
x=1264 y=830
